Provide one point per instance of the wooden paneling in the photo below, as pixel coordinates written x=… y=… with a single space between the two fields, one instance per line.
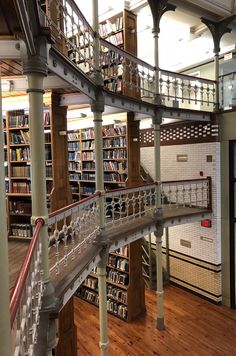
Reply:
x=67 y=331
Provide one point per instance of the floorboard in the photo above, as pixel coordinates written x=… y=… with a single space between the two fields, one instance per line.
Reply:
x=193 y=327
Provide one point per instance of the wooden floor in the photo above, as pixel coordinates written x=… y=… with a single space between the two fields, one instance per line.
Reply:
x=16 y=254
x=193 y=327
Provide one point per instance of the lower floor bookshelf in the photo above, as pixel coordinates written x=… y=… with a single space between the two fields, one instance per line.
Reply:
x=125 y=285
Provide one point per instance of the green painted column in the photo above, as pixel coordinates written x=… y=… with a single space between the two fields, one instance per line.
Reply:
x=5 y=329
x=38 y=186
x=102 y=287
x=159 y=225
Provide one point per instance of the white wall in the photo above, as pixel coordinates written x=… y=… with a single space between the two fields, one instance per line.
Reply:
x=205 y=242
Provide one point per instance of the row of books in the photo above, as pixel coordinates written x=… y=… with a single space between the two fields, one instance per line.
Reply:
x=75 y=176
x=20 y=171
x=116 y=39
x=74 y=189
x=20 y=154
x=91 y=283
x=88 y=156
x=23 y=154
x=74 y=166
x=109 y=26
x=48 y=171
x=88 y=166
x=20 y=206
x=118 y=294
x=48 y=153
x=87 y=133
x=114 y=154
x=21 y=137
x=89 y=295
x=21 y=187
x=21 y=230
x=112 y=71
x=109 y=58
x=114 y=85
x=88 y=145
x=73 y=136
x=88 y=176
x=121 y=166
x=86 y=190
x=74 y=145
x=18 y=118
x=114 y=177
x=74 y=156
x=117 y=309
x=118 y=277
x=113 y=130
x=119 y=263
x=6 y=186
x=115 y=142
x=122 y=251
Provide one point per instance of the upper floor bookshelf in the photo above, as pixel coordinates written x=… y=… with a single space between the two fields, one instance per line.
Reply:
x=81 y=159
x=18 y=166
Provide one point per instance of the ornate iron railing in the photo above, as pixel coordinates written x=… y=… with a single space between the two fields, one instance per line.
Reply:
x=186 y=91
x=26 y=298
x=74 y=227
x=124 y=73
x=72 y=33
x=187 y=193
x=121 y=71
x=123 y=205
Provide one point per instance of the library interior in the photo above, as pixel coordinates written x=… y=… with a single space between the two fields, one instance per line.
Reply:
x=118 y=193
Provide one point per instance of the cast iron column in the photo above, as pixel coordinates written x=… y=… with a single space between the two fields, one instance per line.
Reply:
x=5 y=329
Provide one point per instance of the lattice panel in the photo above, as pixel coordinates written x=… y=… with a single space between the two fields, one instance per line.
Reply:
x=183 y=133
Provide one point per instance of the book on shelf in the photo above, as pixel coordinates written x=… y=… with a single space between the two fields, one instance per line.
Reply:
x=18 y=118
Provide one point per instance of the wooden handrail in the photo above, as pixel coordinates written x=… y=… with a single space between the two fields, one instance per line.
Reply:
x=68 y=207
x=18 y=289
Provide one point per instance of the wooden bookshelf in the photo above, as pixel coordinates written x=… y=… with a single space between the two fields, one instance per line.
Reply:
x=125 y=286
x=18 y=175
x=81 y=159
x=121 y=31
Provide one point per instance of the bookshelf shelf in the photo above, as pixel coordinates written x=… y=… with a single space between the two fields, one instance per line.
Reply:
x=125 y=299
x=17 y=157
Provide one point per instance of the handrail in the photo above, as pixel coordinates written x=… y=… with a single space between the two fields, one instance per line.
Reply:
x=127 y=54
x=73 y=205
x=18 y=288
x=187 y=76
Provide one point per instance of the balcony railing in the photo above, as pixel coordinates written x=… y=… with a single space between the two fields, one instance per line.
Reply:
x=185 y=91
x=121 y=71
x=74 y=229
x=26 y=298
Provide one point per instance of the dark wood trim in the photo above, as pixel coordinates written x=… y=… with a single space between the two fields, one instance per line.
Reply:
x=195 y=293
x=194 y=258
x=192 y=285
x=232 y=180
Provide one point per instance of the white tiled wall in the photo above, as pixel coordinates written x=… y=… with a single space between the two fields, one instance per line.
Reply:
x=205 y=242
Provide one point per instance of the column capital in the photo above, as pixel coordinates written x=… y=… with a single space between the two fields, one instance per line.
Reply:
x=157 y=118
x=35 y=63
x=218 y=29
x=98 y=104
x=158 y=8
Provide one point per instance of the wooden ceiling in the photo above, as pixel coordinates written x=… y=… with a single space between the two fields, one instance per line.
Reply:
x=10 y=68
